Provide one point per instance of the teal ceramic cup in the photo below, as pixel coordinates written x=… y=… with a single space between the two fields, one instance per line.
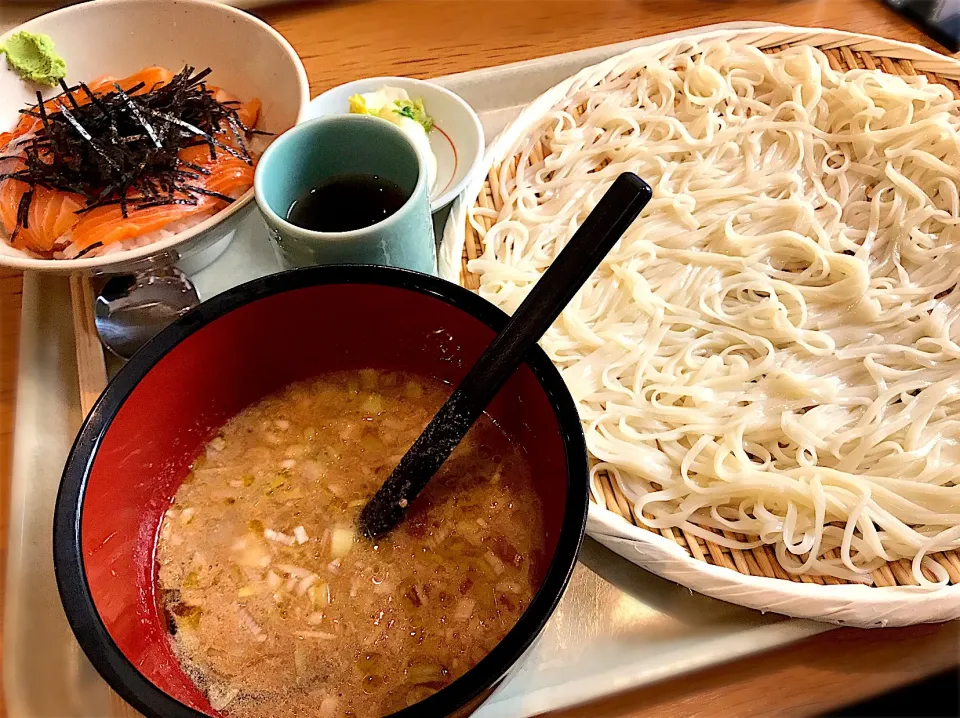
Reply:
x=317 y=150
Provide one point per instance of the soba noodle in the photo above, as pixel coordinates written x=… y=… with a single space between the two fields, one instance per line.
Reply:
x=772 y=348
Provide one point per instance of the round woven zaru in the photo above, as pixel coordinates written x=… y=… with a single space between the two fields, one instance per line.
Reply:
x=845 y=51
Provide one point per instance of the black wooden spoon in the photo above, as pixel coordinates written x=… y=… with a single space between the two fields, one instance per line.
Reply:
x=615 y=211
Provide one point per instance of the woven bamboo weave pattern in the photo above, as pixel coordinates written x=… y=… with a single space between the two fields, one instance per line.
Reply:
x=844 y=53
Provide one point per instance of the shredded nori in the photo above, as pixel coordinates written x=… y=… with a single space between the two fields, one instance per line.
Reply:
x=23 y=218
x=87 y=250
x=121 y=148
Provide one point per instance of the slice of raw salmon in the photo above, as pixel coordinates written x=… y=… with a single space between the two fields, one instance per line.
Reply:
x=249 y=115
x=51 y=214
x=151 y=77
x=249 y=112
x=229 y=176
x=107 y=225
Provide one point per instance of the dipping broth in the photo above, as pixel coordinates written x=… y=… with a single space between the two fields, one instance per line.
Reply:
x=276 y=605
x=346 y=203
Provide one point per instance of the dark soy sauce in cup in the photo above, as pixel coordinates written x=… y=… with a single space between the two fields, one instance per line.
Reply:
x=346 y=202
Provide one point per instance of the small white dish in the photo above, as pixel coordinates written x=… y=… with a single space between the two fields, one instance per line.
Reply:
x=120 y=37
x=456 y=138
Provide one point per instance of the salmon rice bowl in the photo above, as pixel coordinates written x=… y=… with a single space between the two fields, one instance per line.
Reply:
x=116 y=164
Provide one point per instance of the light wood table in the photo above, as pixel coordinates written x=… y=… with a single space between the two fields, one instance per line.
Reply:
x=339 y=41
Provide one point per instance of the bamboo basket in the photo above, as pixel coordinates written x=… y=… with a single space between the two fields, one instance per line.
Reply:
x=750 y=577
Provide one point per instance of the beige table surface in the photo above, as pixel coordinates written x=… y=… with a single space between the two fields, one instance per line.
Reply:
x=339 y=41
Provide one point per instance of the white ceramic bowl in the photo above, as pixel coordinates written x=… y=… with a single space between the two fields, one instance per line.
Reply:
x=456 y=139
x=120 y=37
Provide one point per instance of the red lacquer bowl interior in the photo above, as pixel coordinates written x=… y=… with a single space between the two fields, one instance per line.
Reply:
x=179 y=400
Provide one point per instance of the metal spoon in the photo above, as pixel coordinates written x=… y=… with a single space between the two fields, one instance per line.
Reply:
x=132 y=308
x=614 y=213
